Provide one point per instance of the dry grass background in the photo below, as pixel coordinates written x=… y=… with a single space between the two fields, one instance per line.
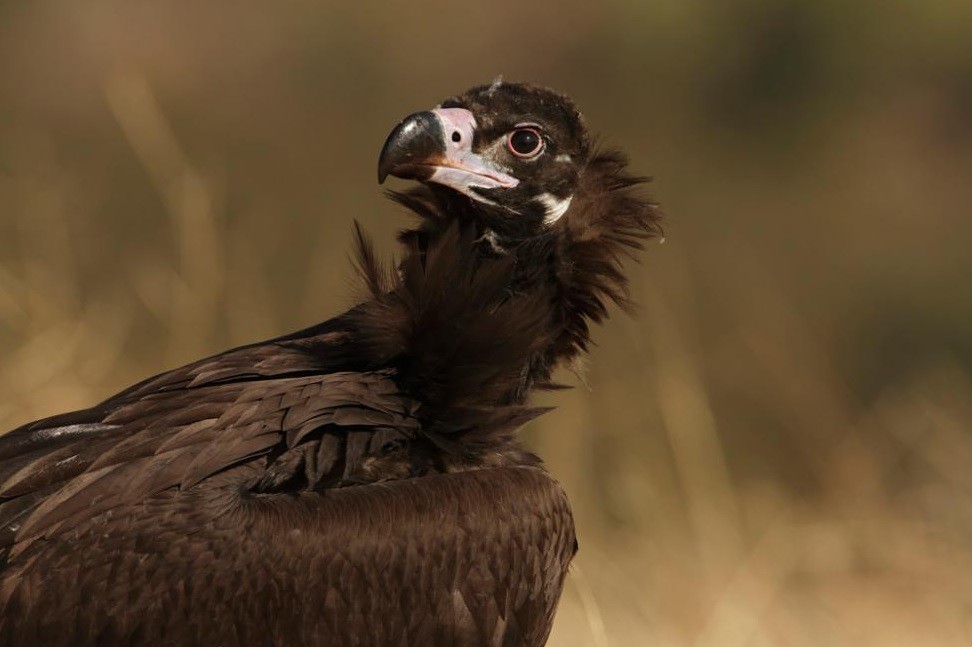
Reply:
x=777 y=451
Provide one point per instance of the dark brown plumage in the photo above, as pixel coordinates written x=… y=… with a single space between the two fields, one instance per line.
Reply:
x=358 y=482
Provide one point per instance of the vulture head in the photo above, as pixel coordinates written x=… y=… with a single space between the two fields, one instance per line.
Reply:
x=516 y=162
x=515 y=151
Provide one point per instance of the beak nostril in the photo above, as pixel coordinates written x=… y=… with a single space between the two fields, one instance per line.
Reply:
x=456 y=136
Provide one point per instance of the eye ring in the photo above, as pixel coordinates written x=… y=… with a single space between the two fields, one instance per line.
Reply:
x=525 y=142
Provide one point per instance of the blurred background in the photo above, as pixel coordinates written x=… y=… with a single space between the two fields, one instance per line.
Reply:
x=777 y=450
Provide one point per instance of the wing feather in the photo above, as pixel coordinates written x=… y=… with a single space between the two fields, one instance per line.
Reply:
x=282 y=406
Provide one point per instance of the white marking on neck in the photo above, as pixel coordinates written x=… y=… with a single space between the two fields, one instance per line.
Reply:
x=555 y=207
x=490 y=237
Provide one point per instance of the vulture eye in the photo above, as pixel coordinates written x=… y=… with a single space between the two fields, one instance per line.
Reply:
x=525 y=142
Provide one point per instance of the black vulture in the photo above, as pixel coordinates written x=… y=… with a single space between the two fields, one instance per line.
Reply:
x=359 y=482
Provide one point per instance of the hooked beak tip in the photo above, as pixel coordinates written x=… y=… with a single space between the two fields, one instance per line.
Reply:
x=417 y=138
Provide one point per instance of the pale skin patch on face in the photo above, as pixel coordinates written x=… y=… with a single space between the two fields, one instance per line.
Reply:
x=563 y=158
x=553 y=206
x=461 y=168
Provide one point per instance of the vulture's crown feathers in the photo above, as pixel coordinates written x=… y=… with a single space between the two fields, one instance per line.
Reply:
x=358 y=482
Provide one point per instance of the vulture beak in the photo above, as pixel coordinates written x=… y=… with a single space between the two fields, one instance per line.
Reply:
x=436 y=146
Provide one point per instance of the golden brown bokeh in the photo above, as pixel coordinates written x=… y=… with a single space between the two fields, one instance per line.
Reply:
x=776 y=451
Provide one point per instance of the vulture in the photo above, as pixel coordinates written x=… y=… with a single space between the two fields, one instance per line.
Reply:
x=359 y=482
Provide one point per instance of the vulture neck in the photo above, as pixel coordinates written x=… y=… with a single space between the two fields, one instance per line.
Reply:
x=571 y=268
